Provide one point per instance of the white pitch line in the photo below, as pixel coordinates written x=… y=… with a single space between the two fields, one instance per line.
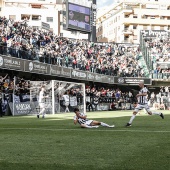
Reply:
x=96 y=130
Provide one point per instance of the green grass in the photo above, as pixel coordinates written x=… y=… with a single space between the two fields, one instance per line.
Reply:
x=54 y=143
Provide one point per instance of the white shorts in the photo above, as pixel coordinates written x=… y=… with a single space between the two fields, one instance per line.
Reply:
x=140 y=107
x=88 y=122
x=42 y=105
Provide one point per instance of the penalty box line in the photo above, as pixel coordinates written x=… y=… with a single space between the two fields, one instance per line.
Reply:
x=92 y=130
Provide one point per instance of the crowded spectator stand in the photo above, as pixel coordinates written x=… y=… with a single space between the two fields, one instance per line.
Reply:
x=156 y=47
x=97 y=98
x=18 y=39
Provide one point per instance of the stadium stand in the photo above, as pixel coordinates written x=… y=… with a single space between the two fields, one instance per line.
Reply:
x=156 y=51
x=19 y=40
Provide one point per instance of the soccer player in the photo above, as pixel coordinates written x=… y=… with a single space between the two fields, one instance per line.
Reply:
x=41 y=101
x=142 y=104
x=66 y=101
x=81 y=118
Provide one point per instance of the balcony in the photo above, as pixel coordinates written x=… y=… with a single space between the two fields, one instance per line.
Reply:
x=152 y=12
x=127 y=31
x=127 y=41
x=144 y=21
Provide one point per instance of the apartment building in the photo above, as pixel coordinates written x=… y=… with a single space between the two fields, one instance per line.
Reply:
x=123 y=21
x=41 y=14
x=35 y=11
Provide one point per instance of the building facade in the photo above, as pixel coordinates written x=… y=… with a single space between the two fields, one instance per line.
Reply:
x=35 y=11
x=40 y=14
x=123 y=22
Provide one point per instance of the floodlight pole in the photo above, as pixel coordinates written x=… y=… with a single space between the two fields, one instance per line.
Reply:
x=59 y=99
x=13 y=97
x=84 y=98
x=53 y=98
x=92 y=34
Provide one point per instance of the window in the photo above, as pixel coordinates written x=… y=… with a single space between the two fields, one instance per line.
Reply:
x=126 y=27
x=145 y=27
x=49 y=19
x=13 y=17
x=99 y=37
x=36 y=6
x=135 y=37
x=145 y=16
x=152 y=17
x=25 y=16
x=134 y=27
x=36 y=17
x=161 y=28
x=35 y=27
x=126 y=37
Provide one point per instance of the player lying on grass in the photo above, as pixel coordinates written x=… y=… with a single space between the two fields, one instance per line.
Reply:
x=81 y=118
x=142 y=104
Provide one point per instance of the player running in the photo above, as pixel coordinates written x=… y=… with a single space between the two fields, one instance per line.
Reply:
x=142 y=104
x=81 y=118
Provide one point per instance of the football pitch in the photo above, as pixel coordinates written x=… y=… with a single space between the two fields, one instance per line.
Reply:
x=55 y=143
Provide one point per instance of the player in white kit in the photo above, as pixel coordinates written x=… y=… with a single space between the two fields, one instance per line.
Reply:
x=66 y=101
x=81 y=118
x=41 y=101
x=142 y=104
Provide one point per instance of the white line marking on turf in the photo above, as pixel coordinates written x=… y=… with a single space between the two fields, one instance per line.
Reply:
x=96 y=130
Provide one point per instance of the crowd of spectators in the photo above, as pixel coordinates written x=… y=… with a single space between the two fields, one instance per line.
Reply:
x=116 y=98
x=22 y=87
x=19 y=40
x=159 y=51
x=96 y=97
x=108 y=94
x=161 y=99
x=156 y=100
x=7 y=85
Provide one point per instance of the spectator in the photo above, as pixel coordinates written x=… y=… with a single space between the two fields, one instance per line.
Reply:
x=19 y=40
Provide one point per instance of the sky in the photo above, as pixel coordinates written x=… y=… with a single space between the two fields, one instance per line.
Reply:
x=104 y=3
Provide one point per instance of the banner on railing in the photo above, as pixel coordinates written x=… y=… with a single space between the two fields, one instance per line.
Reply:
x=76 y=74
x=154 y=33
x=132 y=80
x=56 y=70
x=13 y=63
x=21 y=108
x=37 y=67
x=66 y=72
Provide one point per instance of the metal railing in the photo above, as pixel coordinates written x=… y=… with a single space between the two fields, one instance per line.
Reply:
x=162 y=76
x=36 y=54
x=148 y=59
